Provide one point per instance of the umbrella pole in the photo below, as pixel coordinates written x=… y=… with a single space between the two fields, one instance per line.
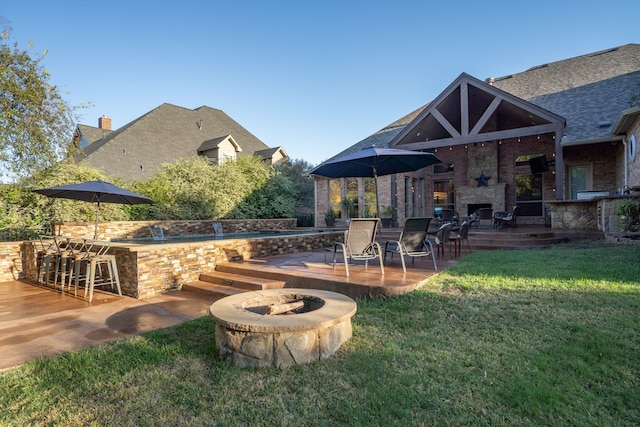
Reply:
x=95 y=232
x=375 y=181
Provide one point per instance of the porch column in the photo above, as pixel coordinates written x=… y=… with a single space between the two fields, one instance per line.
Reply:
x=559 y=166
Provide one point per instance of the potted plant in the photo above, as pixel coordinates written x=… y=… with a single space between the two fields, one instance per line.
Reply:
x=385 y=215
x=351 y=206
x=330 y=217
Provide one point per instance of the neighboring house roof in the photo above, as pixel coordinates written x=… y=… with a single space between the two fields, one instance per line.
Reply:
x=167 y=133
x=90 y=134
x=270 y=152
x=589 y=91
x=215 y=143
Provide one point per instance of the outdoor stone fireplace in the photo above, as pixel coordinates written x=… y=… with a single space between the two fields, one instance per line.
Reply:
x=281 y=327
x=493 y=195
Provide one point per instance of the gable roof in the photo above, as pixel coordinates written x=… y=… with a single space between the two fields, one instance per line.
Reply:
x=586 y=90
x=215 y=143
x=138 y=149
x=470 y=111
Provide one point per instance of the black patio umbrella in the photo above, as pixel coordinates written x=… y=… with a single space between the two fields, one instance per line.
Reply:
x=95 y=191
x=372 y=162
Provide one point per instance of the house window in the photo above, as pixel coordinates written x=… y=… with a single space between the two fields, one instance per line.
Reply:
x=529 y=194
x=335 y=196
x=443 y=195
x=350 y=201
x=580 y=178
x=370 y=202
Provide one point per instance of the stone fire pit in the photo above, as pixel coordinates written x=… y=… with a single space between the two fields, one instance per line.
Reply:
x=281 y=327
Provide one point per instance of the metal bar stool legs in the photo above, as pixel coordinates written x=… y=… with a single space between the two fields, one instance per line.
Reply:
x=94 y=268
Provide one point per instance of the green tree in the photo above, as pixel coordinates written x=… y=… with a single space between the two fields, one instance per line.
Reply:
x=194 y=188
x=295 y=170
x=22 y=208
x=36 y=123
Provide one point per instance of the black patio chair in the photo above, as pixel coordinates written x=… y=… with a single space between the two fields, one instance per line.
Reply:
x=501 y=219
x=413 y=242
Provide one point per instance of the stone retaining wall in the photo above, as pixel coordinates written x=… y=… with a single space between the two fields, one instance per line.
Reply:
x=11 y=261
x=148 y=270
x=142 y=229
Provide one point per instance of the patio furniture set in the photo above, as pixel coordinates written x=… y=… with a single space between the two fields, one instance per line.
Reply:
x=360 y=242
x=65 y=262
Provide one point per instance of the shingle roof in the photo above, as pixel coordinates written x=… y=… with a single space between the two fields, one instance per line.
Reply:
x=163 y=135
x=92 y=134
x=586 y=90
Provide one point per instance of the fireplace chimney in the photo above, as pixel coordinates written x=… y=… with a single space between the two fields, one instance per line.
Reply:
x=104 y=123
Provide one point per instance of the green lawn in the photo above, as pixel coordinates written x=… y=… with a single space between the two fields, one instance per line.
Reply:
x=519 y=338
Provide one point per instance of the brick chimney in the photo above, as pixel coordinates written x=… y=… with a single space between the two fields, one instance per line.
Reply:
x=104 y=123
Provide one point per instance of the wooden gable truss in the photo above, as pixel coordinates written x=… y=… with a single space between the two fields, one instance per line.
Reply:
x=471 y=111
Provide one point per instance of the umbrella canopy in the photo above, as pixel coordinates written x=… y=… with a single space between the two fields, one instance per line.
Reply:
x=95 y=191
x=373 y=162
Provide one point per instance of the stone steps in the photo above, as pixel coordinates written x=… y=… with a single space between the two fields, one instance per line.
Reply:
x=207 y=288
x=223 y=283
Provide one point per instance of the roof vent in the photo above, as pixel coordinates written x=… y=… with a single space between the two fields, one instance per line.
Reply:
x=602 y=52
x=199 y=124
x=497 y=79
x=537 y=67
x=604 y=123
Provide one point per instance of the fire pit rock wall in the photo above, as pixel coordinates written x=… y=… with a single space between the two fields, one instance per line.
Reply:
x=306 y=325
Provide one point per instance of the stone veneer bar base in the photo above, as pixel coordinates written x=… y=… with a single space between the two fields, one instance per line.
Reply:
x=149 y=270
x=247 y=338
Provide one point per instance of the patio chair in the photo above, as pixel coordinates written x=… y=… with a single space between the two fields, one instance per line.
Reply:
x=413 y=242
x=360 y=243
x=501 y=219
x=449 y=215
x=441 y=238
x=461 y=236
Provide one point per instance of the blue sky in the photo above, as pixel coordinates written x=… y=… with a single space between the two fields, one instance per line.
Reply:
x=313 y=77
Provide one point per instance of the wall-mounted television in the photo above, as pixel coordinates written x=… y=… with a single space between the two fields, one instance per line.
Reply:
x=539 y=165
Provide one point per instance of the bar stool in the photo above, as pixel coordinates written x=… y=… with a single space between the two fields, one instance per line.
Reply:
x=45 y=255
x=70 y=254
x=95 y=262
x=80 y=260
x=66 y=252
